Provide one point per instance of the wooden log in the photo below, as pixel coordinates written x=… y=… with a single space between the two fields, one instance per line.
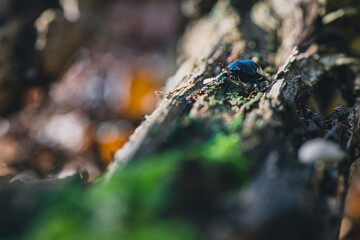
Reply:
x=310 y=105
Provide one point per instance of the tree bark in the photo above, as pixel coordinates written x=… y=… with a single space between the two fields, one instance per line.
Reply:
x=310 y=53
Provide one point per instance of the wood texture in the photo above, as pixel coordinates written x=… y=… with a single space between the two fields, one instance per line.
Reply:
x=312 y=94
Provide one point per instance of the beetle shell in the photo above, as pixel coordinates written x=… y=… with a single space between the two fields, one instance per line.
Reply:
x=246 y=66
x=245 y=71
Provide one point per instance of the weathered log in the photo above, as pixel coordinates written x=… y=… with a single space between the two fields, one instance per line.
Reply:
x=290 y=194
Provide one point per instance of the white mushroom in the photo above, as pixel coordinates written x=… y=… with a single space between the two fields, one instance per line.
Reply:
x=320 y=151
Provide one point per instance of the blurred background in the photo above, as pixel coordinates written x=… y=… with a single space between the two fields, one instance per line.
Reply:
x=86 y=76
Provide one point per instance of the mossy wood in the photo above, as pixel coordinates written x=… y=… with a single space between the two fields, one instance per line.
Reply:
x=310 y=54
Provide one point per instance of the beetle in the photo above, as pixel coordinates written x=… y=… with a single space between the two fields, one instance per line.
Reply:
x=245 y=70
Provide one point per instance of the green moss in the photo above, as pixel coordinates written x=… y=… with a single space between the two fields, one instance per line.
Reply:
x=251 y=102
x=141 y=201
x=127 y=207
x=227 y=91
x=134 y=203
x=224 y=148
x=236 y=124
x=235 y=98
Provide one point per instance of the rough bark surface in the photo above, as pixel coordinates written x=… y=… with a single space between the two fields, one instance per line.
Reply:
x=312 y=94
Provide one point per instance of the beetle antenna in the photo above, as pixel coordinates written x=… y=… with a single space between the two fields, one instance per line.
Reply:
x=222 y=65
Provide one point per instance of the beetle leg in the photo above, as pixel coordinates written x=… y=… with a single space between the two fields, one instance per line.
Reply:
x=233 y=81
x=258 y=85
x=249 y=89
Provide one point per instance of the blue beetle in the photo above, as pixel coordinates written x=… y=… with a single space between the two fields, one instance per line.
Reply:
x=245 y=70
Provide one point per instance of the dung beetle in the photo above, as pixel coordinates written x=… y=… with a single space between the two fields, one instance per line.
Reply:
x=245 y=70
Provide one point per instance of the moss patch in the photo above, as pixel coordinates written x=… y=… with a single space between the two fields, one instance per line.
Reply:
x=151 y=198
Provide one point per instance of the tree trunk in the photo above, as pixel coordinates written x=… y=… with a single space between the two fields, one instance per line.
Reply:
x=299 y=137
